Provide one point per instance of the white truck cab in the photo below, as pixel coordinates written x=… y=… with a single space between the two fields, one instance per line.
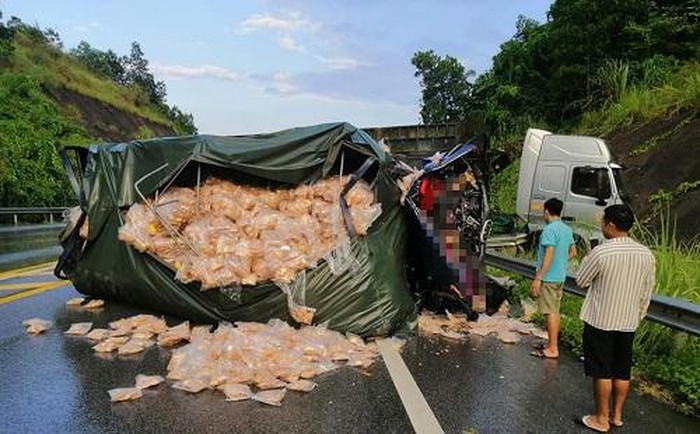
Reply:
x=578 y=170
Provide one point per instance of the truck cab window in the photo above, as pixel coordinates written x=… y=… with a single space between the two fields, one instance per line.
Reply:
x=617 y=174
x=585 y=182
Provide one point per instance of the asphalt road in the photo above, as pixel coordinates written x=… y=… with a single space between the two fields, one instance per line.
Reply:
x=54 y=383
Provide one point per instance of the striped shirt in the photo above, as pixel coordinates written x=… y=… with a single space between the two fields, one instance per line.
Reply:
x=620 y=277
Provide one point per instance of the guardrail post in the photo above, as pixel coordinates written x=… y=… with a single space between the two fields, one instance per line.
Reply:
x=14 y=217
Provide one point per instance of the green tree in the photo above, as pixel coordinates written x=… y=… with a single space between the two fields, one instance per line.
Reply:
x=674 y=28
x=138 y=74
x=105 y=63
x=446 y=90
x=184 y=122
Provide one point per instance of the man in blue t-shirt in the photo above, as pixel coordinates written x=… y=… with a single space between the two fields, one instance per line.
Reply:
x=555 y=249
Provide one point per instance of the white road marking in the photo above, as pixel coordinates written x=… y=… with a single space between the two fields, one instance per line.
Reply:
x=422 y=417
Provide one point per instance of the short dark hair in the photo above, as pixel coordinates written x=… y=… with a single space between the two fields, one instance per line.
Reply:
x=619 y=215
x=554 y=206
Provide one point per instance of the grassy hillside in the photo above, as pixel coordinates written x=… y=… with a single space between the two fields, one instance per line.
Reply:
x=50 y=98
x=55 y=70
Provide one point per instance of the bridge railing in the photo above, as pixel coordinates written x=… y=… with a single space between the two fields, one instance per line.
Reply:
x=50 y=212
x=672 y=312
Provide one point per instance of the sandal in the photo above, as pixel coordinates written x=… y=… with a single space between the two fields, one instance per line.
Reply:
x=616 y=424
x=585 y=420
x=542 y=355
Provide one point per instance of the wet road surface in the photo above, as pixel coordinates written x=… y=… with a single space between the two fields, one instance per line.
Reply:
x=54 y=383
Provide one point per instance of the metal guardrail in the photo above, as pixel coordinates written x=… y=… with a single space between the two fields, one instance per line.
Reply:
x=674 y=313
x=50 y=211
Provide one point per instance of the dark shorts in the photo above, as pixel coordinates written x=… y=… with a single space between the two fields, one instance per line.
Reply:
x=608 y=354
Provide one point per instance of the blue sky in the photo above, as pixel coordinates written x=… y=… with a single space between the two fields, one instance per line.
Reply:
x=249 y=66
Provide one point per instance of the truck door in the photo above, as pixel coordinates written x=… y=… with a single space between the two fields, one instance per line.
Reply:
x=588 y=194
x=550 y=181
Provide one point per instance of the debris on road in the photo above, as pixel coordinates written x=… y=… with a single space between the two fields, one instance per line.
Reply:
x=146 y=381
x=175 y=335
x=271 y=358
x=456 y=326
x=94 y=304
x=236 y=392
x=76 y=301
x=271 y=397
x=98 y=334
x=125 y=394
x=110 y=344
x=302 y=386
x=79 y=329
x=36 y=326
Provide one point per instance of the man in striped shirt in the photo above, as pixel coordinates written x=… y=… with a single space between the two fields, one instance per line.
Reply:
x=620 y=277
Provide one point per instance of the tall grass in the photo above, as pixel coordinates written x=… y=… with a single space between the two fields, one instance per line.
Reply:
x=643 y=103
x=504 y=188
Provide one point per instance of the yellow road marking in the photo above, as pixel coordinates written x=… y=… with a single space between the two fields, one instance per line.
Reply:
x=48 y=286
x=23 y=285
x=19 y=272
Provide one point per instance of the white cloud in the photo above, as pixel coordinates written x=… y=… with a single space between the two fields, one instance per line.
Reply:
x=289 y=24
x=288 y=43
x=203 y=71
x=283 y=84
x=340 y=63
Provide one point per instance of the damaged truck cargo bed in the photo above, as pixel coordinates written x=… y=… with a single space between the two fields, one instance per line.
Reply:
x=316 y=224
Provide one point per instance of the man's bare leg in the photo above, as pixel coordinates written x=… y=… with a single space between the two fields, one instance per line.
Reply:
x=620 y=389
x=553 y=324
x=601 y=391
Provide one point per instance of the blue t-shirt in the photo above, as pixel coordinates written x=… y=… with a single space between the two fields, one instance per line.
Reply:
x=561 y=237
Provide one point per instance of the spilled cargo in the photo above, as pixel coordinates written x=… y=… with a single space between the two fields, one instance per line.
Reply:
x=304 y=225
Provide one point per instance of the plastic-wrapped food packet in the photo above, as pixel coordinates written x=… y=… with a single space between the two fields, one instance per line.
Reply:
x=98 y=334
x=94 y=304
x=36 y=326
x=176 y=206
x=146 y=381
x=270 y=397
x=192 y=385
x=236 y=392
x=110 y=344
x=125 y=394
x=302 y=386
x=133 y=346
x=75 y=302
x=175 y=335
x=79 y=329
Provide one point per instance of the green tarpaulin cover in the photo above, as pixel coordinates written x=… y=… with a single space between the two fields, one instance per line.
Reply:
x=370 y=299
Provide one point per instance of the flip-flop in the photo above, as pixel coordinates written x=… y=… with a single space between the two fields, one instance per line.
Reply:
x=587 y=424
x=541 y=354
x=616 y=424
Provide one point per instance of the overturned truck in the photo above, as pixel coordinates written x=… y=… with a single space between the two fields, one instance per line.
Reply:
x=305 y=225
